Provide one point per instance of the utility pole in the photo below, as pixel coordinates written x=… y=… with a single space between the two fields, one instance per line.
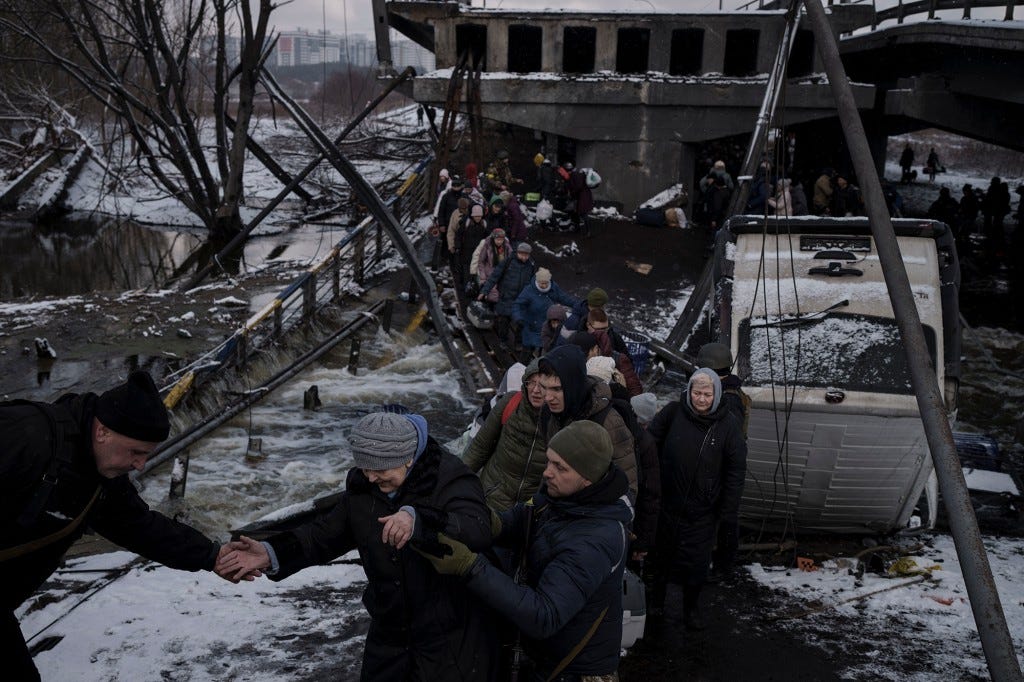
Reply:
x=988 y=612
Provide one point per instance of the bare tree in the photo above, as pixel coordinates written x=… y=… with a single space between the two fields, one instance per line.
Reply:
x=140 y=59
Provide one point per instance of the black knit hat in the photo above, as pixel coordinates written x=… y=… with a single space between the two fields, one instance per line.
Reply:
x=134 y=409
x=585 y=340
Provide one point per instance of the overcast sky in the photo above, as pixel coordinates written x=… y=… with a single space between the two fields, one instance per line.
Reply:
x=314 y=14
x=309 y=14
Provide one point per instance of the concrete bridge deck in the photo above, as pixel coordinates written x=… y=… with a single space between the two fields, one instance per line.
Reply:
x=637 y=92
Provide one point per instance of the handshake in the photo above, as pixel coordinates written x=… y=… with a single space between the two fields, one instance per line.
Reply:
x=242 y=559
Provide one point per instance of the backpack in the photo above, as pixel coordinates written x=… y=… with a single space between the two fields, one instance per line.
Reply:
x=746 y=402
x=625 y=410
x=63 y=432
x=513 y=403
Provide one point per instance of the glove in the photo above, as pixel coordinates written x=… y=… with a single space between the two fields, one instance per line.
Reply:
x=495 y=524
x=455 y=559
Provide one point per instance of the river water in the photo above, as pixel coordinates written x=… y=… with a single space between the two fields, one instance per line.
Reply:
x=305 y=452
x=78 y=257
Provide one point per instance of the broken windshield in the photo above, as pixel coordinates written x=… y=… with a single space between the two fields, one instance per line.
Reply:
x=851 y=352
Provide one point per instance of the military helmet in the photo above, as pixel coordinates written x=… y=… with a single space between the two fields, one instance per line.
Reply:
x=714 y=355
x=502 y=154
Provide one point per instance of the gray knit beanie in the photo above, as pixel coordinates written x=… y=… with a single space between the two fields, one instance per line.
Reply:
x=646 y=406
x=382 y=440
x=586 y=447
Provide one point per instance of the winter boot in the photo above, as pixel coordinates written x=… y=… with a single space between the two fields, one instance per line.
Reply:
x=674 y=609
x=692 y=618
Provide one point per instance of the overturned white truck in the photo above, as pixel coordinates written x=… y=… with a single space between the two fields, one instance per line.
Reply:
x=835 y=438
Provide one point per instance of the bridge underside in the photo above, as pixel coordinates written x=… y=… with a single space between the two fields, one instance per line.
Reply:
x=640 y=134
x=960 y=77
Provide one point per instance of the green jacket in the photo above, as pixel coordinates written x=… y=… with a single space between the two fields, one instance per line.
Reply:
x=509 y=458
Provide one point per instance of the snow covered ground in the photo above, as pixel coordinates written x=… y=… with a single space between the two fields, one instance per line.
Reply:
x=911 y=627
x=154 y=623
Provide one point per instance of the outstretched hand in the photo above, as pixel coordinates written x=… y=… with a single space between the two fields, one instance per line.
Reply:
x=398 y=528
x=455 y=558
x=242 y=559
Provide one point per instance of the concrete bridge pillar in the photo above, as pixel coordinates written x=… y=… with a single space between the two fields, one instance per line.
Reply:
x=444 y=45
x=629 y=170
x=714 y=49
x=606 y=45
x=661 y=48
x=551 y=49
x=497 y=46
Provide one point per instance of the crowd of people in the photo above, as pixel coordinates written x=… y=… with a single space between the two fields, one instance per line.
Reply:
x=483 y=238
x=508 y=556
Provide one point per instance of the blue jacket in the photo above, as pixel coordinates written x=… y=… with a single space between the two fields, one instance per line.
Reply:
x=531 y=309
x=575 y=559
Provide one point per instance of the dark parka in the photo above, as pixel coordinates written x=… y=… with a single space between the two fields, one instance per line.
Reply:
x=32 y=435
x=703 y=464
x=509 y=458
x=574 y=564
x=580 y=193
x=424 y=626
x=511 y=277
x=587 y=398
x=448 y=204
x=531 y=310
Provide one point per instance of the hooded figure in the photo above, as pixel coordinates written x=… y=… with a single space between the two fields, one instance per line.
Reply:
x=508 y=450
x=703 y=465
x=550 y=333
x=571 y=395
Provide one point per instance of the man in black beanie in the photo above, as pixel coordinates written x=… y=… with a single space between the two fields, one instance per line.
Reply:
x=64 y=467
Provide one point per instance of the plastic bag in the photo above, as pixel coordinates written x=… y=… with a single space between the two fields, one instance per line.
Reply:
x=544 y=210
x=593 y=179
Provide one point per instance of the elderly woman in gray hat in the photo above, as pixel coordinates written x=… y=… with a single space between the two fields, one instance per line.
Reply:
x=404 y=489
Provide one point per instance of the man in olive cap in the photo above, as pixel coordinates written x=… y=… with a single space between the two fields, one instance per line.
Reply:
x=597 y=299
x=575 y=531
x=64 y=467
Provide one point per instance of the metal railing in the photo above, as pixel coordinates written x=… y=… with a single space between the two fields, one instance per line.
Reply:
x=350 y=262
x=902 y=10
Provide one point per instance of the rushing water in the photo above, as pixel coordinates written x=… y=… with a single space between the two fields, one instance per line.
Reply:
x=306 y=453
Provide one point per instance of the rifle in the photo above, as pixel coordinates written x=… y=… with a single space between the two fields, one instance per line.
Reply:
x=519 y=576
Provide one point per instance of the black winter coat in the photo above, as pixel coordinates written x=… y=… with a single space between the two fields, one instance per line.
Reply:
x=575 y=560
x=703 y=461
x=449 y=203
x=33 y=434
x=511 y=277
x=424 y=626
x=119 y=514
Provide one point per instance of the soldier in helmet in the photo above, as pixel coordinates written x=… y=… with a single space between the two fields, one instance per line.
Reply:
x=499 y=174
x=718 y=357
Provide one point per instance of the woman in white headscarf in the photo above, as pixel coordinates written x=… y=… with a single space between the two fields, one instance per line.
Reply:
x=703 y=463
